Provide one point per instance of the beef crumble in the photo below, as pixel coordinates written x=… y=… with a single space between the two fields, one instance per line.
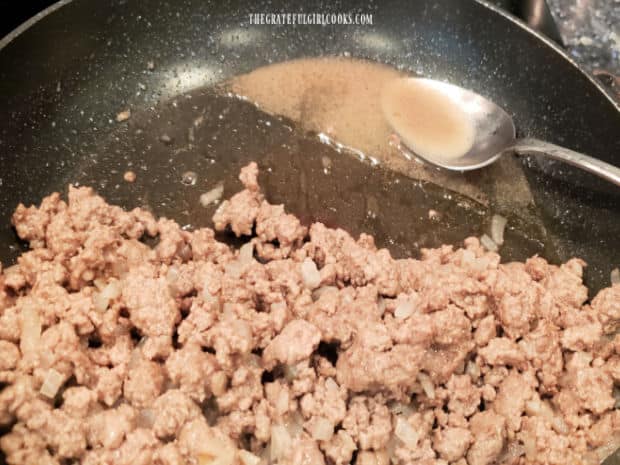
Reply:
x=112 y=352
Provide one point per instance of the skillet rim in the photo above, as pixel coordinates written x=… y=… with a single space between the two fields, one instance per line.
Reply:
x=607 y=92
x=550 y=43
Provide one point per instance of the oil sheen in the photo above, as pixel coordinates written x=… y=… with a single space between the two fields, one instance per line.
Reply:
x=427 y=119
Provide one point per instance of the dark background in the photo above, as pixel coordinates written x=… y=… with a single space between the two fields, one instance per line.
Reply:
x=15 y=12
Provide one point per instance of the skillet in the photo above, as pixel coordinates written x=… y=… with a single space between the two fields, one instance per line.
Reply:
x=67 y=72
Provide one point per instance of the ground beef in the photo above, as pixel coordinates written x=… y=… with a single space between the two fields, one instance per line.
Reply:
x=489 y=432
x=108 y=428
x=9 y=355
x=368 y=421
x=451 y=443
x=144 y=382
x=190 y=368
x=304 y=346
x=172 y=410
x=339 y=448
x=296 y=342
x=78 y=401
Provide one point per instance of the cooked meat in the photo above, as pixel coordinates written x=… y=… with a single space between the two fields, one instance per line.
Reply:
x=295 y=343
x=303 y=346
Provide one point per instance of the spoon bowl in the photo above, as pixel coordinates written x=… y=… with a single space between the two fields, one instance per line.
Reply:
x=458 y=129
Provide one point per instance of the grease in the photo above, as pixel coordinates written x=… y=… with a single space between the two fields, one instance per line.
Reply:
x=427 y=119
x=335 y=96
x=339 y=99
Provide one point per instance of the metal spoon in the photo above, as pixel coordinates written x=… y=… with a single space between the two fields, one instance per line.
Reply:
x=410 y=103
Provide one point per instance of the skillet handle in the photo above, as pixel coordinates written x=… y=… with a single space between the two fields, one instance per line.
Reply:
x=538 y=147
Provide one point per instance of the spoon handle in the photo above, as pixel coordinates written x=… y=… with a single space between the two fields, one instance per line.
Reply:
x=593 y=165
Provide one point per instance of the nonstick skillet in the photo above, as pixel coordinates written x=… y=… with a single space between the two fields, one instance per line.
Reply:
x=65 y=74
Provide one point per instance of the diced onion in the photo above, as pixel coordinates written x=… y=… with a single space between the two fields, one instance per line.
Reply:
x=219 y=382
x=173 y=275
x=123 y=115
x=331 y=385
x=321 y=429
x=488 y=243
x=246 y=252
x=290 y=372
x=281 y=442
x=215 y=451
x=112 y=290
x=544 y=409
x=403 y=310
x=498 y=225
x=533 y=407
x=310 y=274
x=51 y=384
x=468 y=258
x=248 y=458
x=101 y=300
x=427 y=385
x=212 y=196
x=473 y=370
x=615 y=276
x=347 y=440
x=30 y=337
x=559 y=425
x=294 y=425
x=405 y=432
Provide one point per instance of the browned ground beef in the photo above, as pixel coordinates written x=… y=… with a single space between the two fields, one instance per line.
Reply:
x=305 y=346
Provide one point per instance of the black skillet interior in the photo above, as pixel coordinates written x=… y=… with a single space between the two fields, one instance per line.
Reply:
x=64 y=79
